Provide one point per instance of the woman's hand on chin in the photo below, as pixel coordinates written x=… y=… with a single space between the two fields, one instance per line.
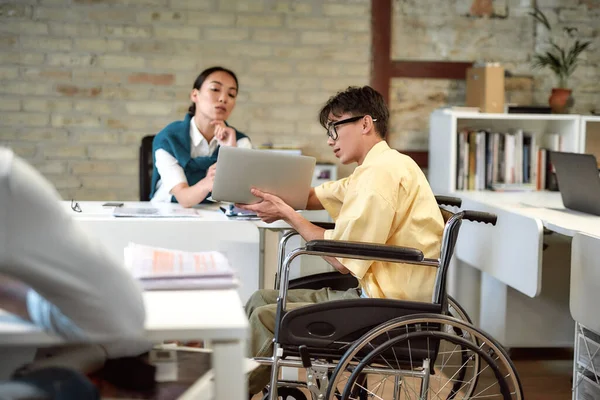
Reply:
x=225 y=134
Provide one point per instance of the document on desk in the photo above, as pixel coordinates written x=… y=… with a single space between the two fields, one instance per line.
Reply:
x=164 y=269
x=155 y=212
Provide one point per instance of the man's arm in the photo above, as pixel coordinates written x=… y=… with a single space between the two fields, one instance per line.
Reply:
x=309 y=232
x=313 y=201
x=272 y=208
x=78 y=288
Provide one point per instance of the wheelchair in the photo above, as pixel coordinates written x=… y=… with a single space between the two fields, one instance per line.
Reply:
x=384 y=348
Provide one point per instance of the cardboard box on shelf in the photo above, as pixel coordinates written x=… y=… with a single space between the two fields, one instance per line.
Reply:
x=485 y=88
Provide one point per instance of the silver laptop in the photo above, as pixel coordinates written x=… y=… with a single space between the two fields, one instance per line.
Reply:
x=578 y=181
x=286 y=175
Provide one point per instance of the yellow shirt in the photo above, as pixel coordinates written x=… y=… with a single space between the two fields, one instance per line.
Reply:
x=386 y=200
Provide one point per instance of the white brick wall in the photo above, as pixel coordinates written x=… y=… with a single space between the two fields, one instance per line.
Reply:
x=82 y=81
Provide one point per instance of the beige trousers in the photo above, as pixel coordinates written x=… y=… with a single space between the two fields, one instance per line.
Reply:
x=261 y=308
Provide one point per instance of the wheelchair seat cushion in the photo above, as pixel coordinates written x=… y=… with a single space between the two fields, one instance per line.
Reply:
x=326 y=328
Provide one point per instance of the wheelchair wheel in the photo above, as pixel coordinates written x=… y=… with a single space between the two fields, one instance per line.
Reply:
x=457 y=311
x=420 y=357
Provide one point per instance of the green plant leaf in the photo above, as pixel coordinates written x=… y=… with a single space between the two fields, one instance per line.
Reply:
x=549 y=60
x=562 y=60
x=562 y=57
x=540 y=17
x=573 y=55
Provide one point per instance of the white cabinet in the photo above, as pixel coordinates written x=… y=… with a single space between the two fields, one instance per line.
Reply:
x=538 y=316
x=444 y=125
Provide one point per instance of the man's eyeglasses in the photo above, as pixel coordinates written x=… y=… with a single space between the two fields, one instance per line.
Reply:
x=75 y=206
x=332 y=127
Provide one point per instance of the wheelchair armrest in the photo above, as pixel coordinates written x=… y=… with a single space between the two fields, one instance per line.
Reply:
x=363 y=249
x=324 y=225
x=334 y=280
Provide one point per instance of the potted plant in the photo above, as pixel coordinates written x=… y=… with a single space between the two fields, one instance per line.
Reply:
x=562 y=59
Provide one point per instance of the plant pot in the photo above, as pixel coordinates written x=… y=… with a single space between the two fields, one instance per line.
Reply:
x=561 y=100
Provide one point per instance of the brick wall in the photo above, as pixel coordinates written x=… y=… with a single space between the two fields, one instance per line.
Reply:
x=81 y=81
x=446 y=30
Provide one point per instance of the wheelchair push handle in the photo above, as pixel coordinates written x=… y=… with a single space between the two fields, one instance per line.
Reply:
x=448 y=201
x=479 y=216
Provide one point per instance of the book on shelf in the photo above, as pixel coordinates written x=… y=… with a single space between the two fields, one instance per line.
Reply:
x=165 y=269
x=515 y=160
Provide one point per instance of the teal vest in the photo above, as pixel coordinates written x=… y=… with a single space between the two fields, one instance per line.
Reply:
x=175 y=140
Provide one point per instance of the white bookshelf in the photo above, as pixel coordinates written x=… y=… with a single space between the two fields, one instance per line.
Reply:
x=515 y=319
x=590 y=134
x=444 y=125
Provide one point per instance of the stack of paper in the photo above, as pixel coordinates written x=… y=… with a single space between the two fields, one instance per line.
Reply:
x=154 y=212
x=163 y=269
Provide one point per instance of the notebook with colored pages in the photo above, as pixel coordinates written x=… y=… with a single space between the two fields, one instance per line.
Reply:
x=165 y=269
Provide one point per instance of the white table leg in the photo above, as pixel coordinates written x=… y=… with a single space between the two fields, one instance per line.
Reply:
x=228 y=366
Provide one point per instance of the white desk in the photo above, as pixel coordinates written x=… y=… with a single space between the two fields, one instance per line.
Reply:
x=520 y=303
x=238 y=240
x=217 y=316
x=250 y=245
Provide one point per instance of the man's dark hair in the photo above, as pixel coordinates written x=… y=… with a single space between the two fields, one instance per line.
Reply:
x=202 y=77
x=358 y=101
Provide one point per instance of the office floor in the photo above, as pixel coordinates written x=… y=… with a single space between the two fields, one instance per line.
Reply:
x=542 y=379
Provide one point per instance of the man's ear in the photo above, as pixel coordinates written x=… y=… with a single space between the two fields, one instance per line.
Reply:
x=367 y=125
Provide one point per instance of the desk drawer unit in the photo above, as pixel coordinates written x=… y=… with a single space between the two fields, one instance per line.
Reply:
x=588 y=354
x=587 y=365
x=586 y=388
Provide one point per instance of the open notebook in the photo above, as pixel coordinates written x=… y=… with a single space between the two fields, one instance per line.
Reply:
x=164 y=269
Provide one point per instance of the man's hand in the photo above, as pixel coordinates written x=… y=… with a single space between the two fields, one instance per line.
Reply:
x=225 y=134
x=270 y=209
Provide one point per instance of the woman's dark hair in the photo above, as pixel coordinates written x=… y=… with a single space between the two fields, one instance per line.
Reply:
x=202 y=77
x=358 y=101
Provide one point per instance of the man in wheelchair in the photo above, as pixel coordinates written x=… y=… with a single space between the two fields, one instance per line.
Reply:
x=386 y=200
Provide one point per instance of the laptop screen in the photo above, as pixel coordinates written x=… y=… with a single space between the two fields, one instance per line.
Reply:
x=578 y=181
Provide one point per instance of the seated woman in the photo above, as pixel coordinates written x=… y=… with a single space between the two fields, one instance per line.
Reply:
x=185 y=152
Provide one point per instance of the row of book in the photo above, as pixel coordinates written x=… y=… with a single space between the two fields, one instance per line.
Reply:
x=516 y=160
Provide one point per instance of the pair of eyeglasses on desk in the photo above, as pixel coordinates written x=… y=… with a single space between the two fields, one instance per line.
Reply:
x=75 y=206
